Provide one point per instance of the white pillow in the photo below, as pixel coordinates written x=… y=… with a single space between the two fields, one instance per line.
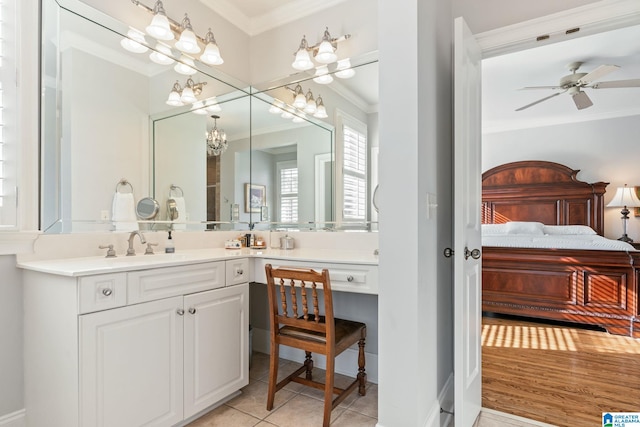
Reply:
x=568 y=229
x=522 y=227
x=494 y=229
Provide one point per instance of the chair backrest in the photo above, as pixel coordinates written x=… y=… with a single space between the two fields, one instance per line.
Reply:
x=294 y=299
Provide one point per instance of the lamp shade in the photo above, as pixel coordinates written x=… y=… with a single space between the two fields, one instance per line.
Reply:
x=625 y=196
x=187 y=42
x=161 y=55
x=160 y=28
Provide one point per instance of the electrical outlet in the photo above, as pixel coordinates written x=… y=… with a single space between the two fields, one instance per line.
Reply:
x=104 y=215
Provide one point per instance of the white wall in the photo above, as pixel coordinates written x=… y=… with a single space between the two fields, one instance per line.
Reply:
x=603 y=150
x=11 y=383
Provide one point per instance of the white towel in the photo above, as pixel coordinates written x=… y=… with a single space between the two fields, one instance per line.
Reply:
x=123 y=212
x=181 y=207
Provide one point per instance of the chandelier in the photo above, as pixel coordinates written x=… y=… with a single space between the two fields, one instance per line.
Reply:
x=216 y=139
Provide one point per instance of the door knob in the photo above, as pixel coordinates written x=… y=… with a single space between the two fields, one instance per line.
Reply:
x=475 y=254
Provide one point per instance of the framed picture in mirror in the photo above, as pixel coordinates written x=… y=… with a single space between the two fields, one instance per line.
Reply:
x=255 y=196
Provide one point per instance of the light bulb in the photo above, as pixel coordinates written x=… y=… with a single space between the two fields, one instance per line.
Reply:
x=321 y=112
x=300 y=101
x=162 y=54
x=133 y=42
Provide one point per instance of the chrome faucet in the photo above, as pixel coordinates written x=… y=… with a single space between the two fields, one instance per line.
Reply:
x=132 y=251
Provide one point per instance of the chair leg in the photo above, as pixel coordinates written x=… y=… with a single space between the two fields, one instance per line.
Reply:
x=362 y=375
x=308 y=362
x=273 y=374
x=328 y=391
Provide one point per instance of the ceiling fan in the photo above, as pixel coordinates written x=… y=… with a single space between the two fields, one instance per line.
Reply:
x=575 y=82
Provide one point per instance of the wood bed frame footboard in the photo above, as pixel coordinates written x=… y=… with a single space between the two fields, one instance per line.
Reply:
x=589 y=287
x=585 y=286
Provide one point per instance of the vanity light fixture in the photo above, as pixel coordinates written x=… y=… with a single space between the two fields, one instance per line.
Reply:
x=211 y=54
x=310 y=107
x=322 y=75
x=323 y=52
x=164 y=28
x=216 y=139
x=198 y=107
x=185 y=66
x=159 y=28
x=276 y=107
x=344 y=70
x=321 y=111
x=162 y=54
x=134 y=42
x=299 y=100
x=303 y=59
x=299 y=117
x=212 y=105
x=185 y=95
x=187 y=42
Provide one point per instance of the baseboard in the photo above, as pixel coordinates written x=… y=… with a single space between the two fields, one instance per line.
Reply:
x=446 y=403
x=344 y=362
x=15 y=419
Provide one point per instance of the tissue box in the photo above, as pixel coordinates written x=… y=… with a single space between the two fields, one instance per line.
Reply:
x=232 y=244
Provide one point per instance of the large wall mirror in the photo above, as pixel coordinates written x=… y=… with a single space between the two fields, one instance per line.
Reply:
x=107 y=128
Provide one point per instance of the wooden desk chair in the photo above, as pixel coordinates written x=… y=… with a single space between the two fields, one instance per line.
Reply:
x=295 y=321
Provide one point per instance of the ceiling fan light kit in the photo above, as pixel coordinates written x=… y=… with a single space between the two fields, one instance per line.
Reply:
x=575 y=82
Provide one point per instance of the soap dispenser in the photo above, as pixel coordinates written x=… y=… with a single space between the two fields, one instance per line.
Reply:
x=169 y=246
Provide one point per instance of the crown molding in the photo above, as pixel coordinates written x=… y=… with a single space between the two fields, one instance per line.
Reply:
x=590 y=19
x=274 y=18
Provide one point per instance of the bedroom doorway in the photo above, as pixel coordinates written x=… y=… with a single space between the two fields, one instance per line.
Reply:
x=510 y=41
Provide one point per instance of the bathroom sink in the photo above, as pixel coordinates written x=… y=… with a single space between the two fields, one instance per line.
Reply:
x=95 y=265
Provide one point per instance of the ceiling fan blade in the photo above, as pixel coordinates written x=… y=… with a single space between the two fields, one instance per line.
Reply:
x=540 y=87
x=616 y=84
x=581 y=100
x=539 y=101
x=598 y=73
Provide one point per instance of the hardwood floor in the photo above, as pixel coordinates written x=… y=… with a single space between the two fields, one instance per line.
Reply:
x=559 y=375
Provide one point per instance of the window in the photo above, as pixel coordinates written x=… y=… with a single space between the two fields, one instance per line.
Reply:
x=354 y=171
x=288 y=188
x=8 y=104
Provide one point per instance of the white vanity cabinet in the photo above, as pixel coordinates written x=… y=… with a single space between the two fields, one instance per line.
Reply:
x=176 y=345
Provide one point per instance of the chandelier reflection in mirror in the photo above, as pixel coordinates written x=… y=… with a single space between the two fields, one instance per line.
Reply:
x=216 y=139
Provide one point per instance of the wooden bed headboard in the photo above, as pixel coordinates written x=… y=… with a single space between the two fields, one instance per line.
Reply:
x=541 y=191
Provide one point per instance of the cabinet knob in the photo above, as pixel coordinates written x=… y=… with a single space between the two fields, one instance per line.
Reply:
x=239 y=272
x=180 y=311
x=106 y=292
x=349 y=278
x=192 y=310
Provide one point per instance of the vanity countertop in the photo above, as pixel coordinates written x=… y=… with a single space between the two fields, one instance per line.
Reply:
x=85 y=266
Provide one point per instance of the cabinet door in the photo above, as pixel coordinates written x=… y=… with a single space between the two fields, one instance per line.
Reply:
x=216 y=346
x=131 y=362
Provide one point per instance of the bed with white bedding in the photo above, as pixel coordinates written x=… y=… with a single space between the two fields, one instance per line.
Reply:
x=543 y=251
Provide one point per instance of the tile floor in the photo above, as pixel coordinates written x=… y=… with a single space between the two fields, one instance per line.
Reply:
x=295 y=405
x=300 y=406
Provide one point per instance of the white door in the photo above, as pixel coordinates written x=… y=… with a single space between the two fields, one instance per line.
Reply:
x=216 y=345
x=131 y=365
x=467 y=204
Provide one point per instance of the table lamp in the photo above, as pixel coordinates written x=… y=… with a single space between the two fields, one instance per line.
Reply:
x=624 y=198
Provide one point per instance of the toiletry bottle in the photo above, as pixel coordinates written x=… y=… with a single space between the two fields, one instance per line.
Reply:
x=169 y=246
